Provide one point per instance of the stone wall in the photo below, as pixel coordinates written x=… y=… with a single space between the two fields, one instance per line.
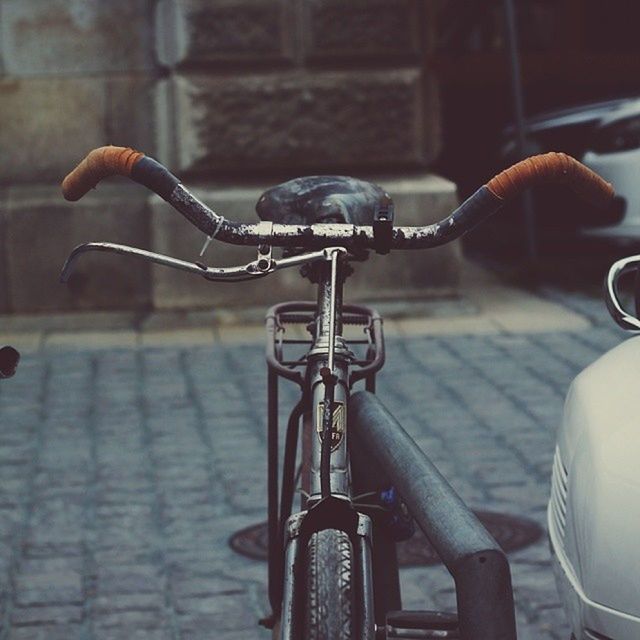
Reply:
x=227 y=93
x=316 y=85
x=74 y=74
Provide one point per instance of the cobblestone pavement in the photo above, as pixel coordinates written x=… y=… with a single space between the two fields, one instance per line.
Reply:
x=124 y=471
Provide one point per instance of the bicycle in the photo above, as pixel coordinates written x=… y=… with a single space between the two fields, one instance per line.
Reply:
x=333 y=571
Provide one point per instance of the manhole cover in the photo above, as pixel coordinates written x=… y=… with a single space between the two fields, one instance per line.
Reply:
x=511 y=533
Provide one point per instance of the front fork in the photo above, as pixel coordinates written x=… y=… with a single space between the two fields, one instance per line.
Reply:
x=329 y=500
x=336 y=513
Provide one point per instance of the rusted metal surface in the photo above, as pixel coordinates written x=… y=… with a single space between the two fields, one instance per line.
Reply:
x=478 y=207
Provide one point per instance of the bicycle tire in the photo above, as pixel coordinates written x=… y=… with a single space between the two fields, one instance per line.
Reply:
x=329 y=605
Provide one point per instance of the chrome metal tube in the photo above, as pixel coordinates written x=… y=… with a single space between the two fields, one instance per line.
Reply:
x=332 y=310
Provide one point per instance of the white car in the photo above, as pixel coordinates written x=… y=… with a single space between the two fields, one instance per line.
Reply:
x=594 y=509
x=606 y=137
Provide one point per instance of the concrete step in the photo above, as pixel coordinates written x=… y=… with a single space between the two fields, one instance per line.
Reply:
x=39 y=229
x=484 y=305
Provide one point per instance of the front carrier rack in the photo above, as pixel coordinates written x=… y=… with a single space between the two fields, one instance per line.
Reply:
x=288 y=314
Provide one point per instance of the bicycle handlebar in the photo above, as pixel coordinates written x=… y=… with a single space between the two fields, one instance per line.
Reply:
x=99 y=164
x=552 y=167
x=549 y=167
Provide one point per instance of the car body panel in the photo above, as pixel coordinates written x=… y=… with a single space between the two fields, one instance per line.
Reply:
x=574 y=131
x=595 y=112
x=622 y=169
x=595 y=545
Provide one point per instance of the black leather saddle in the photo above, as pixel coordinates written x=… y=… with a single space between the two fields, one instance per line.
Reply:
x=322 y=199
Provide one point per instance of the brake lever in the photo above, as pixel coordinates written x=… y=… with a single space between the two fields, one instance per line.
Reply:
x=262 y=266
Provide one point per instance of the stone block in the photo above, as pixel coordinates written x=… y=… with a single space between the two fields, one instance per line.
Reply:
x=419 y=200
x=380 y=29
x=400 y=275
x=322 y=122
x=197 y=32
x=48 y=125
x=41 y=37
x=41 y=230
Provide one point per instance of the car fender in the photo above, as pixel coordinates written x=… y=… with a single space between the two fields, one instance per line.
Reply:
x=599 y=443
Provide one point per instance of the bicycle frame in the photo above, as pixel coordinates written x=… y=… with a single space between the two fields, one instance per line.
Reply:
x=478 y=566
x=329 y=351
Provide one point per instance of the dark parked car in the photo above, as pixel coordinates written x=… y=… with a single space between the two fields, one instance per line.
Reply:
x=606 y=137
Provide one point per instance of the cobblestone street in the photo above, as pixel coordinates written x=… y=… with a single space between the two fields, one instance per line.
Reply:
x=124 y=471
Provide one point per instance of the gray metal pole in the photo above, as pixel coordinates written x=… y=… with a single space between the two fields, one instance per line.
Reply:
x=479 y=567
x=518 y=107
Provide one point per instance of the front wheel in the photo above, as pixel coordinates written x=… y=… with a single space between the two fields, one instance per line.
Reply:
x=329 y=606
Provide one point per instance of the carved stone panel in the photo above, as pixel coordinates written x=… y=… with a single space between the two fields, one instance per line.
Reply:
x=200 y=32
x=376 y=29
x=325 y=121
